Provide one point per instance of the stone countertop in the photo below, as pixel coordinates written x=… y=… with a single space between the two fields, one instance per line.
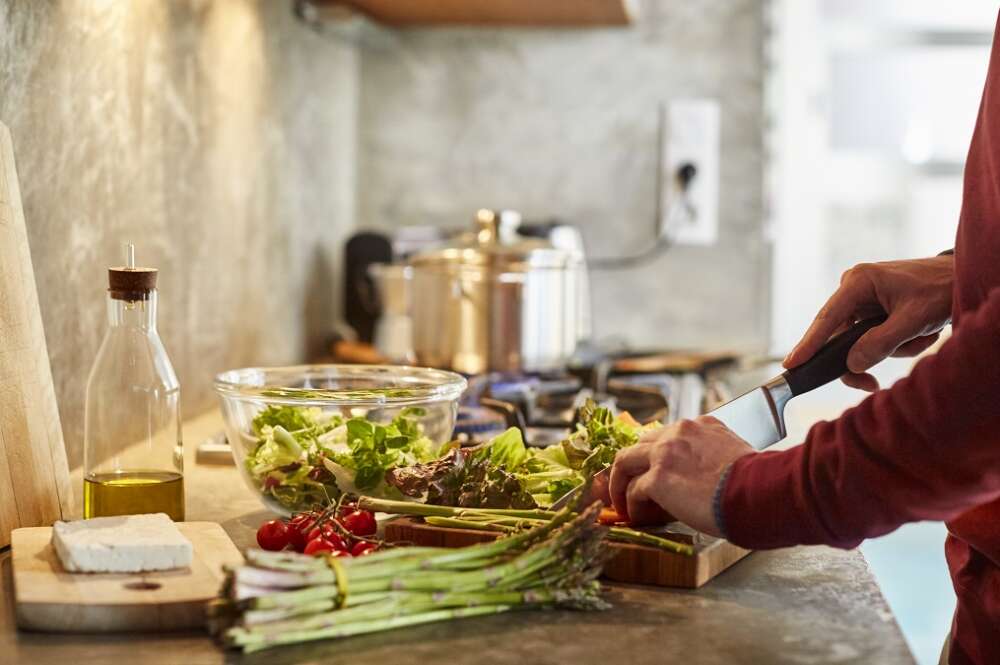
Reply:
x=804 y=606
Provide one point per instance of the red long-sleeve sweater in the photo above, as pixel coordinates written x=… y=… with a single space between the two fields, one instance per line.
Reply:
x=928 y=448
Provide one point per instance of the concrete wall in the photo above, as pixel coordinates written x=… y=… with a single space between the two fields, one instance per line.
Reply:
x=217 y=135
x=237 y=147
x=563 y=123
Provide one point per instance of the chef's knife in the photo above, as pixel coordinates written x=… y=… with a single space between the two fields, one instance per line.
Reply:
x=602 y=476
x=758 y=416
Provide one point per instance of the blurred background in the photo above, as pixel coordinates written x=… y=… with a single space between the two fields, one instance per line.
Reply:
x=243 y=143
x=871 y=108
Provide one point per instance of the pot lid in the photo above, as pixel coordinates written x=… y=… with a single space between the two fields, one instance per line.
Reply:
x=495 y=243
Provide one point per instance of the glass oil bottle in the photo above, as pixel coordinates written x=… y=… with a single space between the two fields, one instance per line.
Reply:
x=133 y=456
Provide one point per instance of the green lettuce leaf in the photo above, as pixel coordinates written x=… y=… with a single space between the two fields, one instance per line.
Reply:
x=292 y=418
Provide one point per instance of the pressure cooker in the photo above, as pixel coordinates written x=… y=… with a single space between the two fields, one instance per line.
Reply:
x=495 y=301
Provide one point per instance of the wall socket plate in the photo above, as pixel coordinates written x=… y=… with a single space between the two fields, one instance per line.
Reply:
x=691 y=136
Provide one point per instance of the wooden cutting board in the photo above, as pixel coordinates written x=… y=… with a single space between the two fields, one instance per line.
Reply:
x=50 y=599
x=634 y=564
x=675 y=362
x=530 y=13
x=34 y=477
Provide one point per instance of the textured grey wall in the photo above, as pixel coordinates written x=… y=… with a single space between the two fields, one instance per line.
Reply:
x=232 y=144
x=219 y=136
x=564 y=123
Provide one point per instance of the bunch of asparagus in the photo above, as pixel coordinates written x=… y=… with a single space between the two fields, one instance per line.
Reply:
x=284 y=597
x=508 y=521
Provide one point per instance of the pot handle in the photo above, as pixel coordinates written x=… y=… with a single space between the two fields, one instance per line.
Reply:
x=511 y=414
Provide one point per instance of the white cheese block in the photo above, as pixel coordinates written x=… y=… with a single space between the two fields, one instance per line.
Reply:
x=126 y=544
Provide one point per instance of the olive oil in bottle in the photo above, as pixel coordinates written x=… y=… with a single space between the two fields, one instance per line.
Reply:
x=133 y=457
x=134 y=493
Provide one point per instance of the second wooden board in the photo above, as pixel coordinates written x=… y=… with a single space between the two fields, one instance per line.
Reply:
x=52 y=600
x=634 y=564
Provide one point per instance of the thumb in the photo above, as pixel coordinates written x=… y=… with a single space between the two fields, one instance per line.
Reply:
x=880 y=342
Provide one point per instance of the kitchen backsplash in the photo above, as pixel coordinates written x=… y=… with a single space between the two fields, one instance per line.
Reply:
x=564 y=124
x=219 y=137
x=238 y=147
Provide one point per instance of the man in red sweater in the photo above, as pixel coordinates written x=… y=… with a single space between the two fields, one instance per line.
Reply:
x=928 y=448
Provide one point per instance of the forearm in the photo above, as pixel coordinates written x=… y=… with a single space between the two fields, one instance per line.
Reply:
x=927 y=448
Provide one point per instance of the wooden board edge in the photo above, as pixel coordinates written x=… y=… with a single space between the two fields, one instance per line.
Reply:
x=170 y=617
x=175 y=616
x=504 y=13
x=673 y=570
x=52 y=462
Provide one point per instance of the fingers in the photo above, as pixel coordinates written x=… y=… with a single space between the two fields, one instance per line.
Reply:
x=629 y=463
x=881 y=341
x=865 y=381
x=641 y=509
x=837 y=312
x=916 y=346
x=600 y=490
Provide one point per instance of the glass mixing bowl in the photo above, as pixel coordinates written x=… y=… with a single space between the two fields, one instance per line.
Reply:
x=377 y=393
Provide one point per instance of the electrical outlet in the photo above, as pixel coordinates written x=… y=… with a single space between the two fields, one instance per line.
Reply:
x=691 y=202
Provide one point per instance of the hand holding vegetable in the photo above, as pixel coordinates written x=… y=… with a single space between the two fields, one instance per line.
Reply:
x=676 y=469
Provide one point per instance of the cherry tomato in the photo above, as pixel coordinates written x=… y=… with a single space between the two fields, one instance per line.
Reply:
x=362 y=548
x=298 y=530
x=318 y=545
x=347 y=508
x=328 y=533
x=324 y=546
x=273 y=535
x=360 y=523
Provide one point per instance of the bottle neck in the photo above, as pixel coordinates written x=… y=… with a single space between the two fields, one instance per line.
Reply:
x=133 y=313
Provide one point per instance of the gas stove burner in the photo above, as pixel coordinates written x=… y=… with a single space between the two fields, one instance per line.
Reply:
x=478 y=423
x=644 y=403
x=545 y=408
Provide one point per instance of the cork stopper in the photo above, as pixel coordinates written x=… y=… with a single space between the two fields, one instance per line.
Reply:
x=129 y=282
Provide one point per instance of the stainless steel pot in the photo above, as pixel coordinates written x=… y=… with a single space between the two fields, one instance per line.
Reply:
x=393 y=337
x=494 y=301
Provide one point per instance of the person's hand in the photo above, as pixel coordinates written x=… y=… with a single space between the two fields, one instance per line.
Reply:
x=675 y=469
x=916 y=295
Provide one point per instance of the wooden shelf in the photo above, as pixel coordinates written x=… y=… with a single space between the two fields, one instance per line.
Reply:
x=523 y=13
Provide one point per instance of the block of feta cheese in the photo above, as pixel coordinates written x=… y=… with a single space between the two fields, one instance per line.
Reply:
x=126 y=544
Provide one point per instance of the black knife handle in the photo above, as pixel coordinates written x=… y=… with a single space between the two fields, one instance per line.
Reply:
x=830 y=362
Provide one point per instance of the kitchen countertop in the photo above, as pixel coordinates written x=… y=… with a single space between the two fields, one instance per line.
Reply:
x=804 y=605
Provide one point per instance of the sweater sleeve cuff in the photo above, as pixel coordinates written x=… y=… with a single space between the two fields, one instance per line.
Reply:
x=720 y=488
x=765 y=503
x=754 y=503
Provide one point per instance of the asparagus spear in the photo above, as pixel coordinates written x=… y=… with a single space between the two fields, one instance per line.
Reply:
x=508 y=521
x=282 y=598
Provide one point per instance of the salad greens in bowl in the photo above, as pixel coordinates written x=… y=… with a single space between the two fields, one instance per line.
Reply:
x=304 y=435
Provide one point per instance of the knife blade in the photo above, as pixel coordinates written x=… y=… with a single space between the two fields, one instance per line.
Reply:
x=571 y=495
x=758 y=416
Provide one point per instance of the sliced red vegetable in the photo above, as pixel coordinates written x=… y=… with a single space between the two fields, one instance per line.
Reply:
x=360 y=523
x=273 y=535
